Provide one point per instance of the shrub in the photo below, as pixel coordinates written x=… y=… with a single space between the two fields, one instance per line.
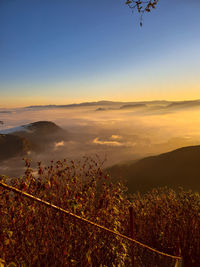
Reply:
x=36 y=235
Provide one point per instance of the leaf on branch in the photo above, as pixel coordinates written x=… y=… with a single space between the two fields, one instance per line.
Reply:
x=128 y=2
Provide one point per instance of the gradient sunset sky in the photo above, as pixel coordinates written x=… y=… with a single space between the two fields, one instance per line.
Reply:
x=66 y=51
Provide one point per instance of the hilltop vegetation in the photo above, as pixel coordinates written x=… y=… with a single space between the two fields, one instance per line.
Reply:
x=35 y=235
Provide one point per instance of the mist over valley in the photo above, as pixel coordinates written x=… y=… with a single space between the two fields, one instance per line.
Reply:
x=118 y=132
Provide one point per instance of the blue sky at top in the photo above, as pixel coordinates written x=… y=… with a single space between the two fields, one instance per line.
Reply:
x=61 y=51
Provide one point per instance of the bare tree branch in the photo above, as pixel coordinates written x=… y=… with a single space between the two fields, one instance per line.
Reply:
x=142 y=6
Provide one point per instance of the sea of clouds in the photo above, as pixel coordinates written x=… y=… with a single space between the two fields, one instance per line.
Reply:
x=113 y=133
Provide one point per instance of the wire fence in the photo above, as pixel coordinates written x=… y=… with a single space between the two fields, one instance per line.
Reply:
x=38 y=233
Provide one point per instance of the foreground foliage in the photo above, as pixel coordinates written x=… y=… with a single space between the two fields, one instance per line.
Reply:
x=34 y=235
x=40 y=236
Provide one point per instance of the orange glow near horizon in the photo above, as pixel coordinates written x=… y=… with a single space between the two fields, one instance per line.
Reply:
x=113 y=95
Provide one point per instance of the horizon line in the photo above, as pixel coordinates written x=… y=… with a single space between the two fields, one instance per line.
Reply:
x=100 y=101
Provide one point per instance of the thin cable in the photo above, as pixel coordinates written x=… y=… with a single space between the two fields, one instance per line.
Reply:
x=8 y=187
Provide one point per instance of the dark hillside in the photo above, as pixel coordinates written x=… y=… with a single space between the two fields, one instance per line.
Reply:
x=12 y=146
x=180 y=167
x=42 y=133
x=36 y=137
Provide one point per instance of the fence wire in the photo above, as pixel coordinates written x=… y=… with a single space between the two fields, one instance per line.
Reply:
x=38 y=233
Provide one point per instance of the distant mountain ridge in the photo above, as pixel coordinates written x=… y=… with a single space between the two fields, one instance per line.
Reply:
x=139 y=105
x=102 y=102
x=149 y=106
x=180 y=167
x=84 y=104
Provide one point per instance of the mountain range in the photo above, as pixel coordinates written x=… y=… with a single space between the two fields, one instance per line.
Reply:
x=151 y=105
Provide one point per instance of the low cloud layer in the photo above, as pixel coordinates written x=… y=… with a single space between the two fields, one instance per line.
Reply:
x=59 y=144
x=106 y=142
x=119 y=134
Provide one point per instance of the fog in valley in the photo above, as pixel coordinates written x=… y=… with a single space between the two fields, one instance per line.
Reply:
x=116 y=132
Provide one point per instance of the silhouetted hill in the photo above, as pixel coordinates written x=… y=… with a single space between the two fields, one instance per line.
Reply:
x=180 y=167
x=42 y=133
x=35 y=136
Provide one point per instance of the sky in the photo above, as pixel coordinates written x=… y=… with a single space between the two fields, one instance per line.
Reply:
x=66 y=51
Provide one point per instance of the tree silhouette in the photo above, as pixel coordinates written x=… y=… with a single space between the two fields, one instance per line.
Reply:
x=142 y=6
